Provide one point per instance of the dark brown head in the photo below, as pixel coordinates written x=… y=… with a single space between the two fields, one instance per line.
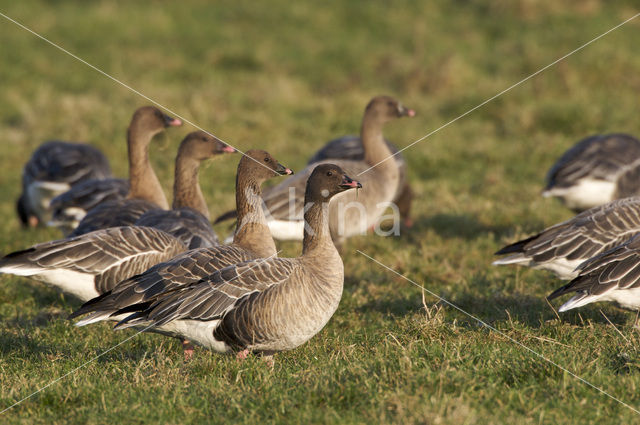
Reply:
x=260 y=165
x=386 y=108
x=328 y=180
x=151 y=120
x=199 y=145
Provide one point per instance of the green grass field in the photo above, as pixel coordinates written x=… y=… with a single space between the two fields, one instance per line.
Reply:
x=288 y=76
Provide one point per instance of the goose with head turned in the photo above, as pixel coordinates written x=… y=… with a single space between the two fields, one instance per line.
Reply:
x=52 y=169
x=145 y=192
x=350 y=213
x=252 y=240
x=265 y=305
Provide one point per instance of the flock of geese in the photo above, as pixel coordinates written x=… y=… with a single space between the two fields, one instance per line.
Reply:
x=133 y=260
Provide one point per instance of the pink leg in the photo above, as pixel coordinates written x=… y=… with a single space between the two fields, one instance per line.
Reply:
x=241 y=355
x=33 y=221
x=187 y=349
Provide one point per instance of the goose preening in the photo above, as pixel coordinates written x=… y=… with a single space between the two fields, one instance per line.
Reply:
x=252 y=240
x=351 y=212
x=89 y=265
x=265 y=305
x=52 y=169
x=145 y=193
x=563 y=247
x=595 y=171
x=613 y=275
x=188 y=219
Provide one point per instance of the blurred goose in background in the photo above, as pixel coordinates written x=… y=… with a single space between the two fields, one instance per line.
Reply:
x=563 y=247
x=145 y=192
x=351 y=212
x=597 y=170
x=265 y=305
x=351 y=148
x=613 y=275
x=252 y=240
x=188 y=220
x=52 y=169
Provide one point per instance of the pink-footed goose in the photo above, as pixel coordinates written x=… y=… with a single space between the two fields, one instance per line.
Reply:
x=563 y=247
x=351 y=212
x=252 y=239
x=188 y=220
x=613 y=276
x=145 y=192
x=52 y=169
x=597 y=170
x=265 y=305
x=91 y=264
x=351 y=148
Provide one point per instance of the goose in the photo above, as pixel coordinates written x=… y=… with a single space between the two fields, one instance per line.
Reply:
x=351 y=213
x=597 y=170
x=88 y=265
x=145 y=192
x=350 y=147
x=70 y=207
x=252 y=239
x=265 y=305
x=188 y=220
x=53 y=168
x=613 y=275
x=563 y=247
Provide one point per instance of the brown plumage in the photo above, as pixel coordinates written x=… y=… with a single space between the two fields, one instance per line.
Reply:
x=382 y=183
x=265 y=305
x=252 y=240
x=144 y=188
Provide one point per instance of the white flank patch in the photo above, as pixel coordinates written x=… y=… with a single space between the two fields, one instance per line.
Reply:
x=285 y=230
x=626 y=298
x=585 y=194
x=196 y=331
x=80 y=285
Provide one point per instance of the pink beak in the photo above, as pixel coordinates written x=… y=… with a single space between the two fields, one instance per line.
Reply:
x=175 y=122
x=229 y=149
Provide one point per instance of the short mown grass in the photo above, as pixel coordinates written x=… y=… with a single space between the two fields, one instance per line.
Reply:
x=288 y=76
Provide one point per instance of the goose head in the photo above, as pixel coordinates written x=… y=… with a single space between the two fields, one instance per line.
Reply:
x=151 y=120
x=328 y=180
x=199 y=145
x=386 y=108
x=261 y=166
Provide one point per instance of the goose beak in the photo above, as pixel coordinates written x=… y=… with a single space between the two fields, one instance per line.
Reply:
x=228 y=149
x=405 y=112
x=349 y=183
x=172 y=122
x=283 y=171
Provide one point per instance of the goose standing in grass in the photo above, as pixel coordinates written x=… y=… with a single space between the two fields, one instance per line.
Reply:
x=563 y=247
x=91 y=264
x=595 y=171
x=188 y=220
x=265 y=305
x=52 y=169
x=351 y=148
x=613 y=275
x=252 y=239
x=351 y=213
x=145 y=192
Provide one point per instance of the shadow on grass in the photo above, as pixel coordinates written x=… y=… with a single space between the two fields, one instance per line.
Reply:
x=457 y=226
x=32 y=348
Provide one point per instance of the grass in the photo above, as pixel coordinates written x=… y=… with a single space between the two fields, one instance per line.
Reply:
x=288 y=76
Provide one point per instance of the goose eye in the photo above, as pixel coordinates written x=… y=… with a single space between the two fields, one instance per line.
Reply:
x=267 y=159
x=329 y=173
x=390 y=103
